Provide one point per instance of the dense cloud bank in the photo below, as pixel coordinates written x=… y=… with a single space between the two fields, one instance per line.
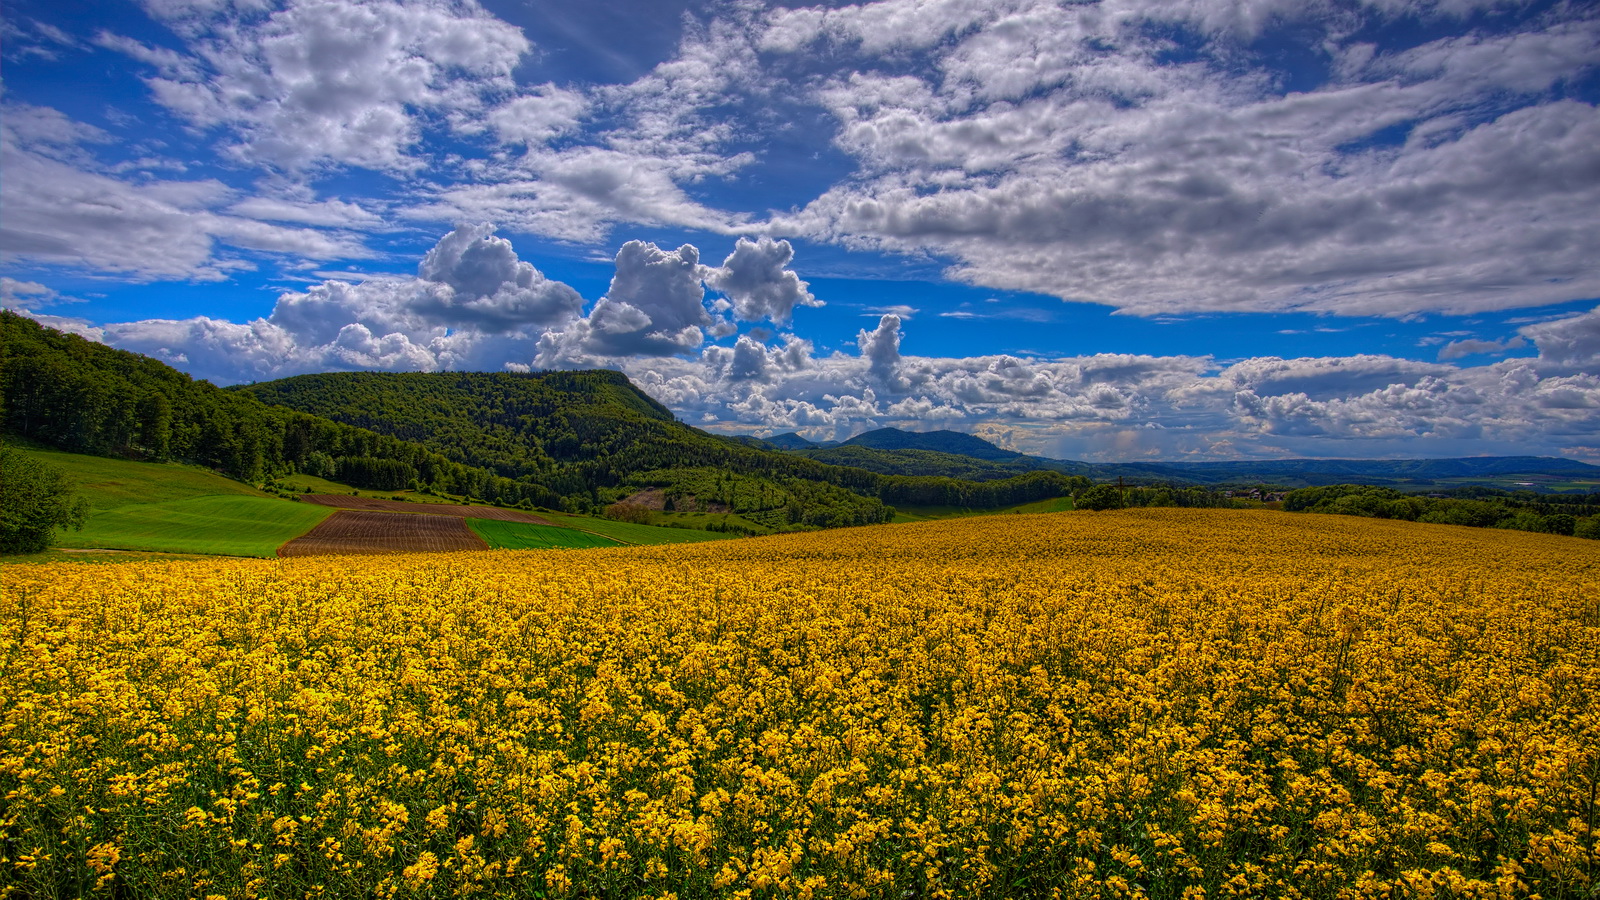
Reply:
x=1372 y=158
x=475 y=305
x=1396 y=157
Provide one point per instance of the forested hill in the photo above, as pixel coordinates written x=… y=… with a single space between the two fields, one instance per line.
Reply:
x=949 y=454
x=84 y=397
x=515 y=424
x=953 y=442
x=594 y=431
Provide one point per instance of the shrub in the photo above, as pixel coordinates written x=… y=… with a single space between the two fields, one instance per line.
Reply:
x=623 y=511
x=35 y=500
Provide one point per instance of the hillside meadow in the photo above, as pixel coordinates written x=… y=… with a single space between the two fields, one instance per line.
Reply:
x=108 y=483
x=225 y=524
x=1159 y=703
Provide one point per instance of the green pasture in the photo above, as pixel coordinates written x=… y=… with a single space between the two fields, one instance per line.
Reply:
x=224 y=525
x=525 y=536
x=112 y=483
x=1054 y=504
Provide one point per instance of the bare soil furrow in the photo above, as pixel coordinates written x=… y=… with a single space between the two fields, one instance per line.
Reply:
x=372 y=531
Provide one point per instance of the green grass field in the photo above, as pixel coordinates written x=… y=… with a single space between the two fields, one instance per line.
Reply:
x=112 y=483
x=635 y=534
x=226 y=525
x=524 y=536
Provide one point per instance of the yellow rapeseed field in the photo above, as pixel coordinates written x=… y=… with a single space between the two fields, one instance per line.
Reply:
x=1163 y=703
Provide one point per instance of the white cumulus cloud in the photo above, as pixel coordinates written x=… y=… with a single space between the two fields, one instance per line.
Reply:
x=317 y=82
x=758 y=279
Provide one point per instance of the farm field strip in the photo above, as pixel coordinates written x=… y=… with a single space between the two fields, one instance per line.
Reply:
x=1147 y=703
x=501 y=535
x=373 y=532
x=228 y=525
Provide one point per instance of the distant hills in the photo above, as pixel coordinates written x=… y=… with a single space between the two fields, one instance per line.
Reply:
x=591 y=437
x=958 y=443
x=787 y=441
x=1298 y=472
x=956 y=454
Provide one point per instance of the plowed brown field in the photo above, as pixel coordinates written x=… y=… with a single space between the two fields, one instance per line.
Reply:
x=341 y=501
x=371 y=531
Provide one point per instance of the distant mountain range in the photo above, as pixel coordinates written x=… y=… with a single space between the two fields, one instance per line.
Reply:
x=892 y=451
x=1374 y=471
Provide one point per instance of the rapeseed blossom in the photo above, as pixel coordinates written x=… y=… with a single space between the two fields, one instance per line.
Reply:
x=1163 y=703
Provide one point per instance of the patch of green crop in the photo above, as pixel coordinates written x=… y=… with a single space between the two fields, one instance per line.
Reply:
x=526 y=536
x=924 y=513
x=221 y=525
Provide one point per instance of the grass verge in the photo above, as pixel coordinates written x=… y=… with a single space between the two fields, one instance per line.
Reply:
x=93 y=557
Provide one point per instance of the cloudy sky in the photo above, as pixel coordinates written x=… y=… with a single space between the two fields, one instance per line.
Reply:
x=1129 y=229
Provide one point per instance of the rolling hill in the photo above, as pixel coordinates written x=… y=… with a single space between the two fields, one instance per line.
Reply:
x=952 y=442
x=591 y=437
x=893 y=451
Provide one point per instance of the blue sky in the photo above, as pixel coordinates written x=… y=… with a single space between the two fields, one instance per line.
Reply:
x=1118 y=230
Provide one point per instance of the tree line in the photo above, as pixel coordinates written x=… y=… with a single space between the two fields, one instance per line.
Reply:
x=1477 y=507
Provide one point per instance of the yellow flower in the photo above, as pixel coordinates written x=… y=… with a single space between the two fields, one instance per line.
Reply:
x=422 y=871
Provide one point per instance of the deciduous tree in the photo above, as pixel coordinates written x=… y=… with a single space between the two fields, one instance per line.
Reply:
x=35 y=500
